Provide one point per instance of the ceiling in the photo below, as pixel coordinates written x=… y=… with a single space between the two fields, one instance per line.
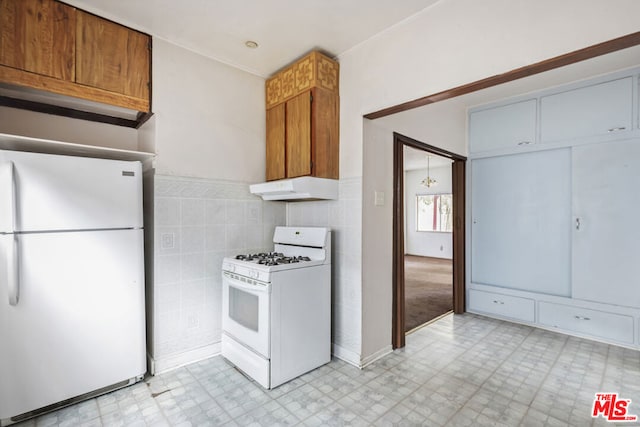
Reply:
x=284 y=29
x=417 y=159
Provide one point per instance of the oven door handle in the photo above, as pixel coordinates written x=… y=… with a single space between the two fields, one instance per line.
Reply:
x=246 y=286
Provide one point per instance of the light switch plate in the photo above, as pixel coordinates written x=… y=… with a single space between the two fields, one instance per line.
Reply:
x=378 y=198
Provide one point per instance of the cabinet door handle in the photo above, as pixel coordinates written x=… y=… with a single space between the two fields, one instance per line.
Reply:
x=498 y=302
x=618 y=129
x=582 y=317
x=578 y=224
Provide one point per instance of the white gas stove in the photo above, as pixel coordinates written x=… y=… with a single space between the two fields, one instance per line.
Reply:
x=276 y=316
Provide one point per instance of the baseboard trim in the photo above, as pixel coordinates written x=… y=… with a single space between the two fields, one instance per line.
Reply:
x=351 y=357
x=169 y=363
x=377 y=355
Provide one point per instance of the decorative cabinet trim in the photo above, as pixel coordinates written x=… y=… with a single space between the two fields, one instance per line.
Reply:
x=303 y=113
x=313 y=70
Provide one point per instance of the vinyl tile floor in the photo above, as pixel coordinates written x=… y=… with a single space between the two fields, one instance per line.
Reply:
x=462 y=370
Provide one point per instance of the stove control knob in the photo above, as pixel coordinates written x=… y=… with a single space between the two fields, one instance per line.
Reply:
x=231 y=268
x=254 y=274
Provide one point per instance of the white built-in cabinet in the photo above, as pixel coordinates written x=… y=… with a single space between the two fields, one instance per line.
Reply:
x=503 y=126
x=554 y=195
x=519 y=202
x=598 y=109
x=606 y=232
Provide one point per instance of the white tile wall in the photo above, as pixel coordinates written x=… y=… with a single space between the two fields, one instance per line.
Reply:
x=197 y=223
x=344 y=217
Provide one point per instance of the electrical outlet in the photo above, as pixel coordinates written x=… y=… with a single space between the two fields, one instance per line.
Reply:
x=253 y=214
x=167 y=240
x=193 y=321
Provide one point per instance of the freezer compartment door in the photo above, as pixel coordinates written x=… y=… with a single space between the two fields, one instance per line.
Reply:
x=79 y=323
x=54 y=192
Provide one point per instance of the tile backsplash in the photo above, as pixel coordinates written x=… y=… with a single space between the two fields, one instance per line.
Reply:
x=197 y=222
x=344 y=217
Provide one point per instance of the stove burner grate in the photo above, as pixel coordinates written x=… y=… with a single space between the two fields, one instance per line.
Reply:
x=272 y=258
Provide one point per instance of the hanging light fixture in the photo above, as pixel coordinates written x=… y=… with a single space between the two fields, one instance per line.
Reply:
x=428 y=181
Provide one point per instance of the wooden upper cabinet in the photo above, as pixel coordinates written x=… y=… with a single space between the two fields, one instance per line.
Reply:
x=303 y=119
x=325 y=121
x=112 y=57
x=49 y=46
x=38 y=36
x=275 y=143
x=298 y=131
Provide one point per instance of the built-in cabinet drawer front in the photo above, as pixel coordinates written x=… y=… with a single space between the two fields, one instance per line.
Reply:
x=502 y=305
x=503 y=127
x=596 y=110
x=596 y=323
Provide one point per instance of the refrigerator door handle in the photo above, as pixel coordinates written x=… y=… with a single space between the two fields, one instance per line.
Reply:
x=8 y=201
x=9 y=250
x=13 y=272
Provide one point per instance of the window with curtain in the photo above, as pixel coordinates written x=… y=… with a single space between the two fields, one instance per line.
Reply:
x=434 y=212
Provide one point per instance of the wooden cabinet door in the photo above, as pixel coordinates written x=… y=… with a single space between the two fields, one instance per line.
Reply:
x=325 y=119
x=38 y=36
x=298 y=131
x=112 y=57
x=275 y=143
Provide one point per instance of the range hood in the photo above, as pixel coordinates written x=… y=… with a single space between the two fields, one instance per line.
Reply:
x=42 y=101
x=297 y=189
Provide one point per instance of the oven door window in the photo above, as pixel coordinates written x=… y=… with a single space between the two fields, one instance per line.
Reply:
x=244 y=308
x=245 y=312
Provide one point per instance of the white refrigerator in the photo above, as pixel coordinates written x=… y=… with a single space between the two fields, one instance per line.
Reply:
x=72 y=315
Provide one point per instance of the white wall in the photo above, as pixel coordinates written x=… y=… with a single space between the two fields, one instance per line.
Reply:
x=209 y=117
x=425 y=243
x=48 y=126
x=452 y=43
x=377 y=242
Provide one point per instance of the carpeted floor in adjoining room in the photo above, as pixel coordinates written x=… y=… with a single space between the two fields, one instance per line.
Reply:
x=428 y=289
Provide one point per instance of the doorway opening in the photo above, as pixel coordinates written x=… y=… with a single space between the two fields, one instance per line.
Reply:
x=428 y=244
x=607 y=56
x=453 y=215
